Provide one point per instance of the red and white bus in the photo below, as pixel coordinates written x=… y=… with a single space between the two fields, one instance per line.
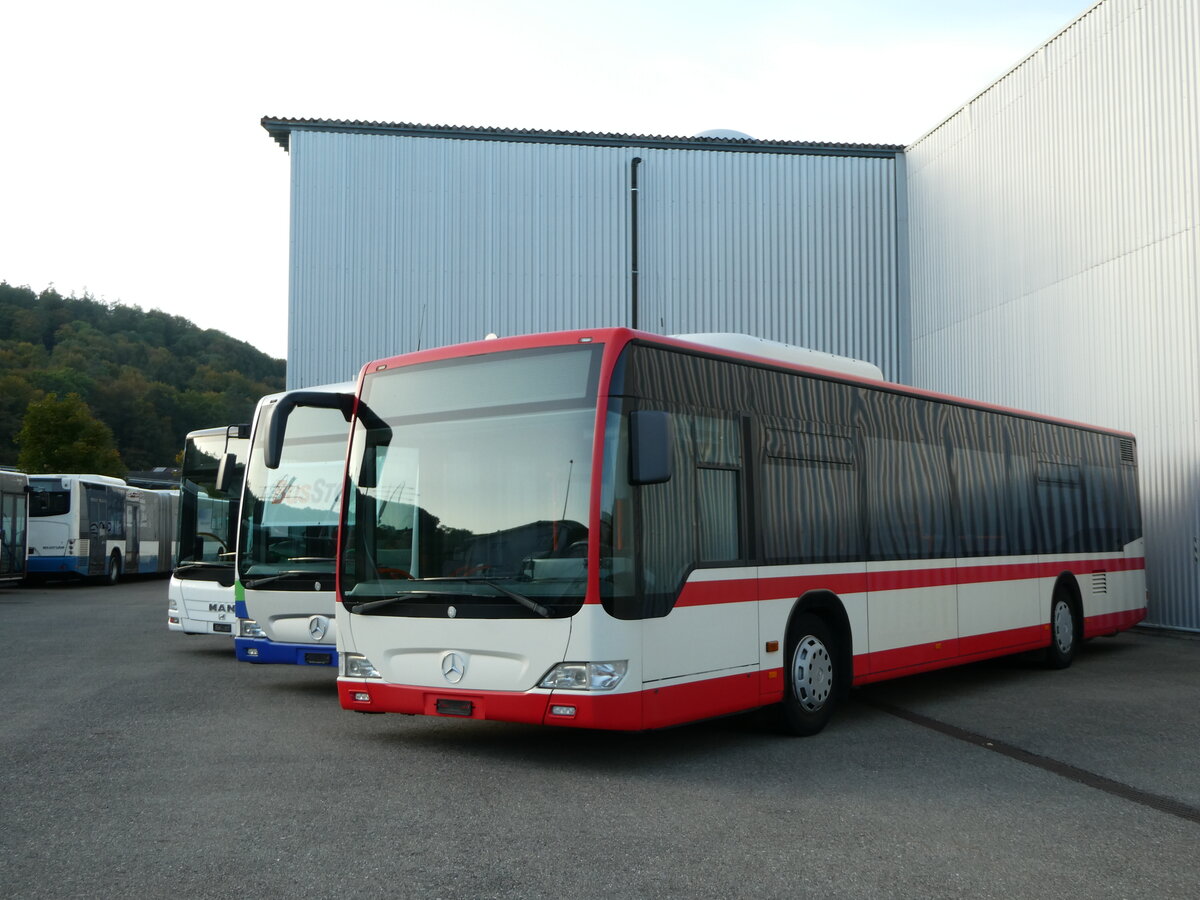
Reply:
x=613 y=529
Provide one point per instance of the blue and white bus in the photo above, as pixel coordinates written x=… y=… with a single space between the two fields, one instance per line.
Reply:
x=288 y=535
x=200 y=596
x=98 y=527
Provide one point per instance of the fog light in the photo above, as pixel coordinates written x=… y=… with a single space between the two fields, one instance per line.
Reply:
x=361 y=697
x=562 y=710
x=252 y=651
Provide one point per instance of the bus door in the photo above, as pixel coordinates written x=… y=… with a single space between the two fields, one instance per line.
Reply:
x=12 y=516
x=912 y=577
x=694 y=553
x=133 y=544
x=95 y=527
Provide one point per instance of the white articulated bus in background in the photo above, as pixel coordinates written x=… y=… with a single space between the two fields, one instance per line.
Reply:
x=287 y=542
x=14 y=522
x=200 y=596
x=96 y=526
x=614 y=529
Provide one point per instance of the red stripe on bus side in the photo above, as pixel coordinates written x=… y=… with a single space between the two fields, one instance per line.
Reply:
x=704 y=593
x=885 y=664
x=660 y=707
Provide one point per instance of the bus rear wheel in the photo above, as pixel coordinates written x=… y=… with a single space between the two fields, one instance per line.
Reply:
x=113 y=573
x=811 y=688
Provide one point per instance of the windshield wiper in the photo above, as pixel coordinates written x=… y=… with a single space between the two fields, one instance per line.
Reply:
x=369 y=605
x=207 y=564
x=292 y=573
x=513 y=595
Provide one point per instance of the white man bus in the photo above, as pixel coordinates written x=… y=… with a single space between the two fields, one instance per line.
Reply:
x=613 y=529
x=200 y=595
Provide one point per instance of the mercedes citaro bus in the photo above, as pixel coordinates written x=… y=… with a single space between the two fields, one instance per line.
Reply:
x=613 y=529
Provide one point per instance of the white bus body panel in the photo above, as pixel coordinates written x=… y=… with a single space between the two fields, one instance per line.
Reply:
x=197 y=607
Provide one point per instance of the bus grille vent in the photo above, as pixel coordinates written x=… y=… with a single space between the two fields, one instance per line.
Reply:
x=84 y=546
x=1099 y=582
x=1127 y=452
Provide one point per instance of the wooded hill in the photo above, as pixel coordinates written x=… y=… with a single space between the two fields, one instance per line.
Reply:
x=149 y=376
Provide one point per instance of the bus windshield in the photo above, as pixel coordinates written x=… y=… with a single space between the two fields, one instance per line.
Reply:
x=290 y=514
x=471 y=484
x=207 y=516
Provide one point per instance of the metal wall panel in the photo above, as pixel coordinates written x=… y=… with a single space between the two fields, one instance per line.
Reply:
x=402 y=242
x=1055 y=245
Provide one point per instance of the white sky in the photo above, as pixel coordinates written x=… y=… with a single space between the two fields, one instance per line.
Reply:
x=133 y=166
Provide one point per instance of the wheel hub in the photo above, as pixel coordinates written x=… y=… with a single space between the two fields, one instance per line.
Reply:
x=1064 y=627
x=812 y=673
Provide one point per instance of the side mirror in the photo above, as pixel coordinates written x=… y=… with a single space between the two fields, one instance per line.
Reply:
x=277 y=427
x=651 y=442
x=225 y=472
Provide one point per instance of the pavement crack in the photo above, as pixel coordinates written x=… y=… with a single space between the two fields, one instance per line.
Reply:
x=1073 y=773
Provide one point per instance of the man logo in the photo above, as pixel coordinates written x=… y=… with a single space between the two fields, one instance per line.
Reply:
x=454 y=667
x=318 y=627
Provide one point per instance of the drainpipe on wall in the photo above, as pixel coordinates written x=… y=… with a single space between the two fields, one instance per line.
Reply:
x=633 y=237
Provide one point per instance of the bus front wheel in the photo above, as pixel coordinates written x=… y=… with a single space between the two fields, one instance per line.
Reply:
x=811 y=688
x=1064 y=632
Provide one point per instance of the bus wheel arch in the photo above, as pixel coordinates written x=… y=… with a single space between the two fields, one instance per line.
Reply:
x=1065 y=622
x=817 y=663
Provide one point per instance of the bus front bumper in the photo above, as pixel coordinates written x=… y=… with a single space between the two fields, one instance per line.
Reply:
x=262 y=650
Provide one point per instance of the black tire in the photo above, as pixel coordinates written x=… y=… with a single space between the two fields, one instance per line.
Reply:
x=811 y=685
x=1064 y=632
x=113 y=574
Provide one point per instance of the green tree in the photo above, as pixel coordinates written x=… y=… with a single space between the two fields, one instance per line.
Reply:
x=15 y=394
x=64 y=436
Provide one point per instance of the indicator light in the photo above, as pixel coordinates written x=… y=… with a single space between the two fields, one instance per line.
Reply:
x=562 y=710
x=361 y=697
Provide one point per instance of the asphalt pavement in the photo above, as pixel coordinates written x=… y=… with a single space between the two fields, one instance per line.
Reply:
x=142 y=763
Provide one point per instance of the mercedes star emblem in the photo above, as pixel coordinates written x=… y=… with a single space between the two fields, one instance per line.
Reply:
x=317 y=627
x=453 y=668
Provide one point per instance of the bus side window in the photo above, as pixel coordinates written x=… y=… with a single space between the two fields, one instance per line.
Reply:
x=810 y=495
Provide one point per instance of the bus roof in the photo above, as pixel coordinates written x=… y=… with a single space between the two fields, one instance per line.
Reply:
x=688 y=343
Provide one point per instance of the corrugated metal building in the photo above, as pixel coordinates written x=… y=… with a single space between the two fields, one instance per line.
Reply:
x=411 y=236
x=1055 y=253
x=1038 y=249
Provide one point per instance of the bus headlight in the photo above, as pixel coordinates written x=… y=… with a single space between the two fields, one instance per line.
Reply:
x=585 y=676
x=355 y=665
x=250 y=628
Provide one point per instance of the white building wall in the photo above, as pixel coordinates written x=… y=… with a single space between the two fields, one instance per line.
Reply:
x=400 y=242
x=1055 y=255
